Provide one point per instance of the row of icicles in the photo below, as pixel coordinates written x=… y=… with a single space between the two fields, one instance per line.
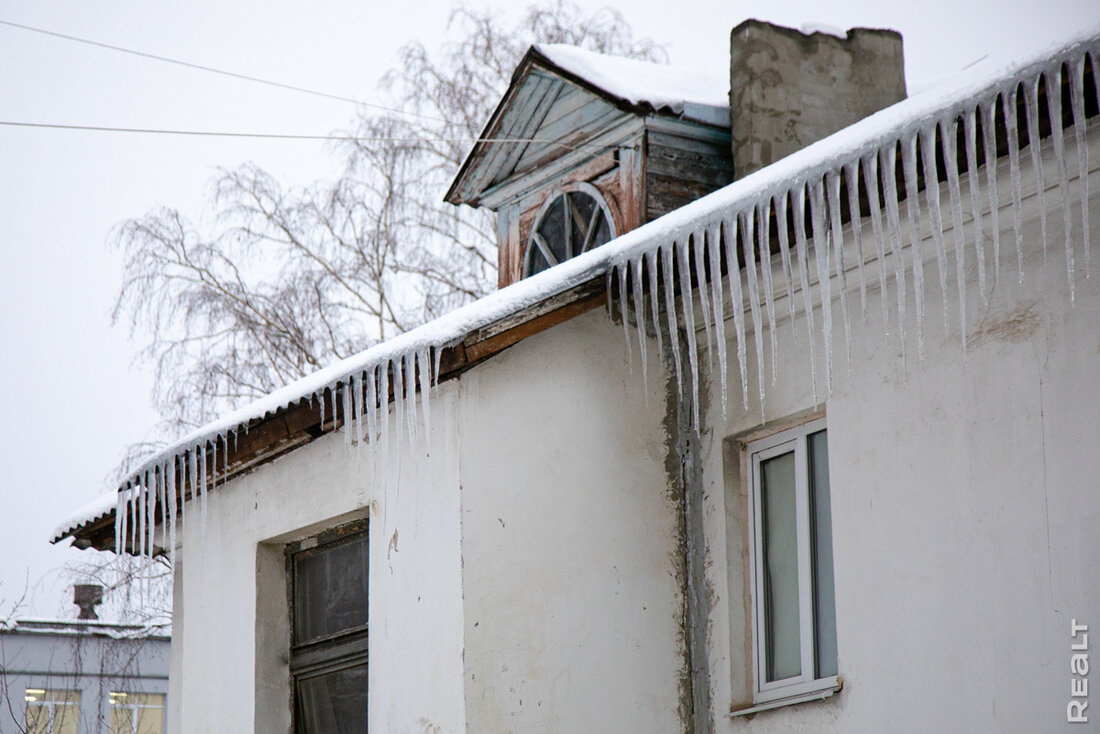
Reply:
x=800 y=226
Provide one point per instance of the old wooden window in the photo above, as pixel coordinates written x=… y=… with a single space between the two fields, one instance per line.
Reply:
x=328 y=630
x=573 y=222
x=792 y=564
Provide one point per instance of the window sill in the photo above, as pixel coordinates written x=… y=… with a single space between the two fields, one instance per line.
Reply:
x=832 y=685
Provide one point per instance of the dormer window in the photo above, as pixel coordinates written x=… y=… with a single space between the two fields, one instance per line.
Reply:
x=571 y=223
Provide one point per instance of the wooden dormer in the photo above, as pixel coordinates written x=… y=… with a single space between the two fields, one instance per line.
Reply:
x=585 y=147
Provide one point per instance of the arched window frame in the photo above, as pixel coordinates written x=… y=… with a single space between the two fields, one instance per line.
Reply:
x=534 y=243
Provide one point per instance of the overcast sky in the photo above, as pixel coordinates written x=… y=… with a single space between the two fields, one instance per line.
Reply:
x=72 y=401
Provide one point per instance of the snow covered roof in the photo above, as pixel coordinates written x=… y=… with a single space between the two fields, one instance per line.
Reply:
x=700 y=94
x=969 y=97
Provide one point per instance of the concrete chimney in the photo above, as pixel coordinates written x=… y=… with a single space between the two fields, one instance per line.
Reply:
x=789 y=89
x=87 y=597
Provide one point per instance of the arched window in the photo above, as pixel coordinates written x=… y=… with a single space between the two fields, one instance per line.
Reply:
x=573 y=222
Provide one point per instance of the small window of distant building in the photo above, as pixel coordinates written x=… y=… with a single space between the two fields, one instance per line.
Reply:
x=568 y=224
x=794 y=616
x=136 y=713
x=51 y=711
x=327 y=576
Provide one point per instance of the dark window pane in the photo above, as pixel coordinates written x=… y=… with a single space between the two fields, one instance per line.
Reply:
x=330 y=590
x=824 y=598
x=333 y=703
x=782 y=648
x=552 y=228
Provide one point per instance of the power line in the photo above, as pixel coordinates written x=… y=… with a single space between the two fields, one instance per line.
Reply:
x=282 y=136
x=213 y=70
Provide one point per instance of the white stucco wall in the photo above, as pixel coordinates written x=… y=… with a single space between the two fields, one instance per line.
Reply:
x=525 y=567
x=965 y=507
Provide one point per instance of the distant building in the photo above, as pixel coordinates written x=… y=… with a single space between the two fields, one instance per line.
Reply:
x=83 y=676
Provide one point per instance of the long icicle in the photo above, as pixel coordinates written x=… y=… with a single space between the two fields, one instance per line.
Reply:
x=686 y=302
x=989 y=142
x=668 y=267
x=822 y=236
x=804 y=280
x=1035 y=145
x=639 y=319
x=893 y=219
x=748 y=242
x=855 y=216
x=912 y=210
x=932 y=200
x=624 y=296
x=424 y=371
x=714 y=254
x=654 y=305
x=371 y=406
x=698 y=248
x=1012 y=132
x=870 y=183
x=765 y=258
x=836 y=232
x=949 y=133
x=409 y=362
x=737 y=302
x=782 y=206
x=970 y=132
x=1054 y=107
x=1077 y=103
x=345 y=394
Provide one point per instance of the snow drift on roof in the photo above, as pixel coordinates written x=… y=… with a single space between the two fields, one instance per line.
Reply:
x=699 y=94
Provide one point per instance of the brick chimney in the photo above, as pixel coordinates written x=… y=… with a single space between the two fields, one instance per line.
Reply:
x=789 y=89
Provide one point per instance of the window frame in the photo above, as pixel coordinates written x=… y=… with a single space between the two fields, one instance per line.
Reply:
x=343 y=650
x=133 y=707
x=806 y=685
x=45 y=699
x=579 y=187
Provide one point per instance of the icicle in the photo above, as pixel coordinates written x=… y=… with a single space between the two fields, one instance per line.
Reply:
x=172 y=514
x=851 y=175
x=120 y=521
x=912 y=209
x=181 y=466
x=424 y=365
x=698 y=243
x=824 y=282
x=714 y=242
x=948 y=133
x=410 y=395
x=639 y=320
x=870 y=181
x=970 y=130
x=398 y=408
x=836 y=231
x=654 y=306
x=1013 y=142
x=345 y=394
x=889 y=182
x=1054 y=106
x=383 y=422
x=804 y=279
x=989 y=142
x=737 y=301
x=932 y=198
x=781 y=209
x=162 y=501
x=203 y=491
x=765 y=254
x=143 y=492
x=357 y=407
x=667 y=268
x=320 y=398
x=748 y=242
x=681 y=249
x=623 y=299
x=1077 y=103
x=370 y=405
x=1035 y=145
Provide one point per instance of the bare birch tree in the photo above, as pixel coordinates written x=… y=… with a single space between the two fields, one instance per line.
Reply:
x=289 y=279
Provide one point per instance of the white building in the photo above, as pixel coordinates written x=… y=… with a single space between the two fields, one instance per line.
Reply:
x=82 y=676
x=601 y=523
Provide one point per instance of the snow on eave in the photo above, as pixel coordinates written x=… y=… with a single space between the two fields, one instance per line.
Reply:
x=700 y=94
x=830 y=154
